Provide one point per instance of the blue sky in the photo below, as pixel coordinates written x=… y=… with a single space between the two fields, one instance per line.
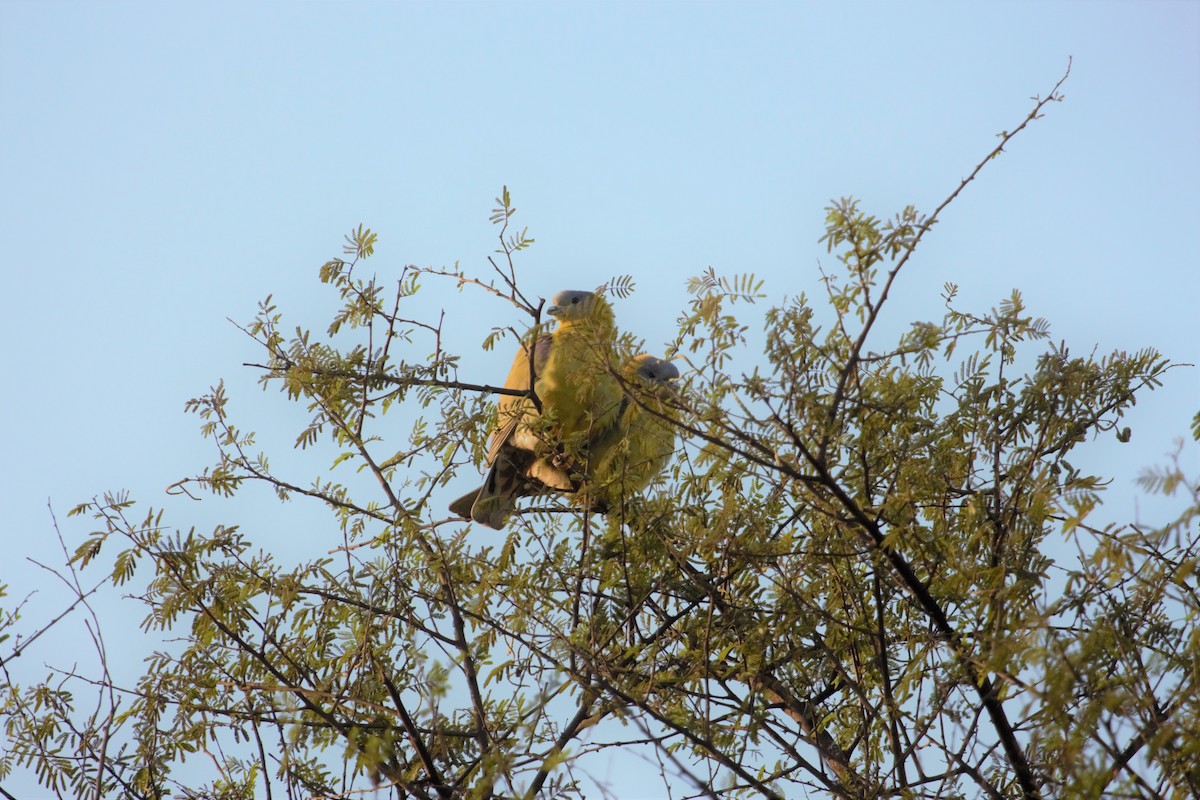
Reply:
x=164 y=166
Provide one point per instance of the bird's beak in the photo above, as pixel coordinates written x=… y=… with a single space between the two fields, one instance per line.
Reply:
x=553 y=310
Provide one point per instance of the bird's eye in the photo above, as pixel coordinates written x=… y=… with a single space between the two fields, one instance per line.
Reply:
x=574 y=300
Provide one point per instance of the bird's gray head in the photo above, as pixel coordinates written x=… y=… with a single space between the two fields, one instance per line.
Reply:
x=656 y=370
x=576 y=305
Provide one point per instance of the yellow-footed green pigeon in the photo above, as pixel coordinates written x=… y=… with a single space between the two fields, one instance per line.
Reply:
x=624 y=461
x=530 y=454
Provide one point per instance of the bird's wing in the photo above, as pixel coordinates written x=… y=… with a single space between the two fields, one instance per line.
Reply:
x=512 y=409
x=510 y=456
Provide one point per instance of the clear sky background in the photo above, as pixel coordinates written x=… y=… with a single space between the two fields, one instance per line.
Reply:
x=163 y=166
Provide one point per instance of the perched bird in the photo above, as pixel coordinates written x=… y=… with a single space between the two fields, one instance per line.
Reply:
x=580 y=399
x=624 y=461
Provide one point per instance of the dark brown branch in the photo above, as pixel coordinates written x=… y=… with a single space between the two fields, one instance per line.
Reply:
x=482 y=388
x=414 y=735
x=856 y=349
x=568 y=733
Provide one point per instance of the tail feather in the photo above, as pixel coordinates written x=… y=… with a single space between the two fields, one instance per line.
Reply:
x=462 y=506
x=515 y=473
x=495 y=499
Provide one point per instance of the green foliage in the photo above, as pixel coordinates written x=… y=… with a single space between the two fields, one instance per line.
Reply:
x=619 y=287
x=851 y=583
